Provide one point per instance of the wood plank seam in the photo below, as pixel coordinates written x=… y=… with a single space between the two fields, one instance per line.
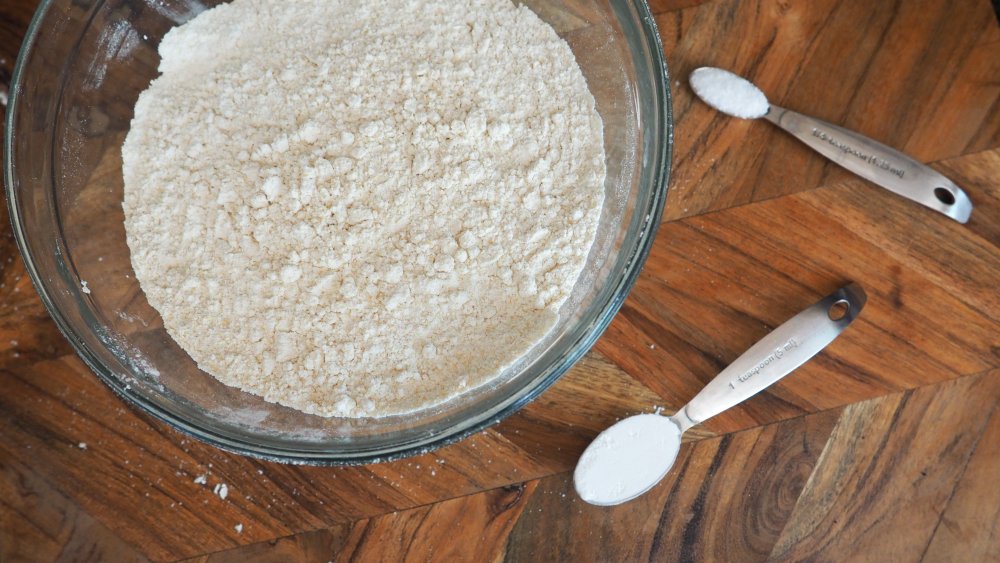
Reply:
x=683 y=469
x=864 y=485
x=951 y=495
x=834 y=185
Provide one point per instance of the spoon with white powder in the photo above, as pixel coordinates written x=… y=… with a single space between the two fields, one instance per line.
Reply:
x=632 y=456
x=873 y=161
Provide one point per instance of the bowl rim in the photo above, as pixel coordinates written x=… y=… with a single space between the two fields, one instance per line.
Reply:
x=659 y=79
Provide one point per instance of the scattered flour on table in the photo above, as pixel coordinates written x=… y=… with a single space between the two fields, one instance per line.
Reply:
x=362 y=208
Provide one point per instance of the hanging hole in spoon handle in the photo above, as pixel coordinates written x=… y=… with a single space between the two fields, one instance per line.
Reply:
x=877 y=163
x=776 y=355
x=839 y=310
x=944 y=195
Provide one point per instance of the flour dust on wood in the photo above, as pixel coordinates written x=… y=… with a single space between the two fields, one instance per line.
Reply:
x=362 y=208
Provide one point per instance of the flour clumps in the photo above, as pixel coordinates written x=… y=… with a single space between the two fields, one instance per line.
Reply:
x=362 y=208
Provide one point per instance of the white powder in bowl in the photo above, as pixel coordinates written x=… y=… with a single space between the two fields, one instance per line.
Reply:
x=729 y=93
x=362 y=208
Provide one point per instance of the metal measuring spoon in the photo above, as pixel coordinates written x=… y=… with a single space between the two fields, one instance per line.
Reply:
x=734 y=95
x=629 y=458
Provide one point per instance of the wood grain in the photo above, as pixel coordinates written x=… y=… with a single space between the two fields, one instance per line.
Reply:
x=557 y=426
x=14 y=19
x=786 y=491
x=921 y=76
x=883 y=447
x=318 y=545
x=37 y=523
x=709 y=507
x=969 y=528
x=718 y=282
x=544 y=521
x=428 y=534
x=905 y=454
x=421 y=534
x=144 y=464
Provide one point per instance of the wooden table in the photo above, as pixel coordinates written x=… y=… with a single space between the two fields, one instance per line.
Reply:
x=886 y=447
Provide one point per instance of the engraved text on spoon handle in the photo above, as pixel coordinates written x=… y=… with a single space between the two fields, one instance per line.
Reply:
x=876 y=162
x=776 y=355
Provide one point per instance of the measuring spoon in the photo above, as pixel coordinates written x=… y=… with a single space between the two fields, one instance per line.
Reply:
x=736 y=96
x=632 y=456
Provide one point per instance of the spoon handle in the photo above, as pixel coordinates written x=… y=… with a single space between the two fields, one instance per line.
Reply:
x=876 y=162
x=775 y=356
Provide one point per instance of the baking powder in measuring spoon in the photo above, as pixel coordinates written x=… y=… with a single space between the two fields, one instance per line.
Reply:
x=623 y=460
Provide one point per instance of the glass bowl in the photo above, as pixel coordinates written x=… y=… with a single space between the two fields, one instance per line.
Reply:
x=80 y=71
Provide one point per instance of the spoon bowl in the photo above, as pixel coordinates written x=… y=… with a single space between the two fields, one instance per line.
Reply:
x=729 y=93
x=648 y=443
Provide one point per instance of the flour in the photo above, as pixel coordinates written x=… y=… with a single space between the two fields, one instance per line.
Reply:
x=362 y=208
x=627 y=459
x=729 y=93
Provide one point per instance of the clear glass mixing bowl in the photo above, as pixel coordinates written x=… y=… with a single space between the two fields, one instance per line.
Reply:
x=82 y=66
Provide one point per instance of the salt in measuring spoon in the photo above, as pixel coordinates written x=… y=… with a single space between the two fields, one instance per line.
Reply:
x=734 y=95
x=633 y=455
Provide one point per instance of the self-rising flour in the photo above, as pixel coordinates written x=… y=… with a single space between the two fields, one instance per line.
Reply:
x=362 y=208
